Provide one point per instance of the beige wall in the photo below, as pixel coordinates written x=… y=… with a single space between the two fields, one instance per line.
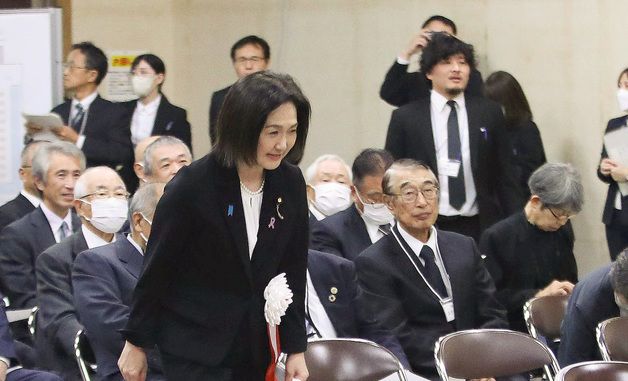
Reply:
x=565 y=53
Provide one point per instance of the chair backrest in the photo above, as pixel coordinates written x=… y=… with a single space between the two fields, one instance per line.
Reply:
x=85 y=357
x=350 y=360
x=612 y=339
x=32 y=322
x=483 y=353
x=595 y=370
x=544 y=315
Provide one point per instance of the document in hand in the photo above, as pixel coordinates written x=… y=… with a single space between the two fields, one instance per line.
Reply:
x=47 y=122
x=616 y=144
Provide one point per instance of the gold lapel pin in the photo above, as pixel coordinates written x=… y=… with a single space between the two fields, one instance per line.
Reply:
x=333 y=290
x=332 y=298
x=279 y=201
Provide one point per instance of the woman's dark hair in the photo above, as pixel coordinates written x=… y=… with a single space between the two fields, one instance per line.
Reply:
x=442 y=46
x=245 y=110
x=504 y=89
x=625 y=71
x=154 y=62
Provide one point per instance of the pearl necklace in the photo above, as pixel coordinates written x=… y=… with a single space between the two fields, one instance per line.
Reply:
x=250 y=192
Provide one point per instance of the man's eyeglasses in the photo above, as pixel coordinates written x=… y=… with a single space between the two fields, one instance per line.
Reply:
x=123 y=195
x=71 y=66
x=410 y=195
x=560 y=216
x=243 y=60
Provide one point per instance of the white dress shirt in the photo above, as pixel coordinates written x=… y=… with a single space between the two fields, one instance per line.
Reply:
x=252 y=205
x=144 y=119
x=93 y=240
x=315 y=212
x=55 y=221
x=135 y=244
x=374 y=233
x=440 y=115
x=85 y=103
x=32 y=199
x=317 y=313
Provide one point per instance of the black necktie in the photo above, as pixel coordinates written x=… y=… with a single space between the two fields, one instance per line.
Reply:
x=457 y=195
x=384 y=229
x=77 y=121
x=431 y=271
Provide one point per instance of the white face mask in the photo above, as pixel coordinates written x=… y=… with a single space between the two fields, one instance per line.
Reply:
x=108 y=214
x=142 y=84
x=622 y=99
x=332 y=197
x=379 y=214
x=142 y=234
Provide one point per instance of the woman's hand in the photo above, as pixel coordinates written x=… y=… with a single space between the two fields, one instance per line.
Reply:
x=132 y=363
x=296 y=368
x=606 y=165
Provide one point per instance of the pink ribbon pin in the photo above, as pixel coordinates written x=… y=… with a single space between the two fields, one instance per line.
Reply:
x=272 y=223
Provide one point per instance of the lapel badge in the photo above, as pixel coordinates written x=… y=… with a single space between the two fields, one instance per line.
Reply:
x=271 y=224
x=333 y=290
x=230 y=210
x=279 y=201
x=332 y=298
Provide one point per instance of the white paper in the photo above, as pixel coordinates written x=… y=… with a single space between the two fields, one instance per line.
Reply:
x=616 y=144
x=47 y=122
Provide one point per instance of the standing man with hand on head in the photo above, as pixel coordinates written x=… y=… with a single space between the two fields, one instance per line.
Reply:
x=249 y=55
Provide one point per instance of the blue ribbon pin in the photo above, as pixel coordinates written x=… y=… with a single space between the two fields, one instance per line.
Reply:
x=230 y=210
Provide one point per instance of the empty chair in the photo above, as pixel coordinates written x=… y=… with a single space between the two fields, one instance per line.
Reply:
x=544 y=315
x=595 y=370
x=84 y=356
x=612 y=338
x=481 y=353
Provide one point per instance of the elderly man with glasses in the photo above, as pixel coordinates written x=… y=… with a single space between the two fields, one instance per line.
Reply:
x=530 y=254
x=101 y=201
x=423 y=283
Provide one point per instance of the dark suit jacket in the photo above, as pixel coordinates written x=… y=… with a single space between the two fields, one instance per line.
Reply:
x=401 y=87
x=591 y=302
x=526 y=153
x=613 y=188
x=343 y=234
x=107 y=134
x=348 y=312
x=402 y=301
x=14 y=210
x=410 y=135
x=218 y=98
x=170 y=120
x=57 y=319
x=200 y=292
x=103 y=280
x=20 y=244
x=516 y=257
x=7 y=348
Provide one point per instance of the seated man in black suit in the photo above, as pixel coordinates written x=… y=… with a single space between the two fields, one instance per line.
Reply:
x=56 y=167
x=98 y=127
x=100 y=200
x=10 y=369
x=601 y=295
x=103 y=281
x=530 y=254
x=249 y=55
x=421 y=282
x=461 y=138
x=329 y=183
x=28 y=199
x=354 y=229
x=401 y=87
x=162 y=160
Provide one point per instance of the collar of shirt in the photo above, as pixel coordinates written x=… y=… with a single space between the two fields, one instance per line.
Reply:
x=31 y=198
x=85 y=102
x=371 y=228
x=93 y=240
x=439 y=102
x=135 y=244
x=150 y=108
x=318 y=215
x=417 y=245
x=55 y=221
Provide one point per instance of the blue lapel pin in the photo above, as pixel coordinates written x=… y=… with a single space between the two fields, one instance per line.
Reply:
x=230 y=210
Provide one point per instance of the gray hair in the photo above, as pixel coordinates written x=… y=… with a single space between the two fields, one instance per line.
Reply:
x=160 y=142
x=402 y=164
x=81 y=185
x=145 y=200
x=41 y=160
x=559 y=186
x=310 y=172
x=29 y=151
x=619 y=274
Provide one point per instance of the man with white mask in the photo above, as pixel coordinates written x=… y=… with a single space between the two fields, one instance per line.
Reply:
x=100 y=200
x=352 y=230
x=602 y=295
x=328 y=186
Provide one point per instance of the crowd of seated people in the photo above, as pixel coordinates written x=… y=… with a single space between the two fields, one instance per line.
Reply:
x=455 y=225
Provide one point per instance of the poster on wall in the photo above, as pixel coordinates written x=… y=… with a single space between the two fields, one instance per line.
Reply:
x=118 y=81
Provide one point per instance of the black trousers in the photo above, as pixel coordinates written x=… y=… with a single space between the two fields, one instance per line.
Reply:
x=469 y=226
x=616 y=235
x=180 y=369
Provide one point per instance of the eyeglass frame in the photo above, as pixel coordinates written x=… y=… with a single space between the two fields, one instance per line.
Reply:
x=244 y=60
x=71 y=66
x=421 y=191
x=369 y=201
x=559 y=217
x=107 y=195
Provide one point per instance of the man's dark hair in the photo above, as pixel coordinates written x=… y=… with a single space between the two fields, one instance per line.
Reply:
x=443 y=46
x=153 y=61
x=251 y=40
x=619 y=274
x=95 y=58
x=625 y=71
x=401 y=164
x=370 y=162
x=442 y=19
x=245 y=110
x=504 y=89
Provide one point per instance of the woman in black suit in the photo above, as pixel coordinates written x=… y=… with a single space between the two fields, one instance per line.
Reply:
x=613 y=173
x=227 y=225
x=526 y=147
x=152 y=113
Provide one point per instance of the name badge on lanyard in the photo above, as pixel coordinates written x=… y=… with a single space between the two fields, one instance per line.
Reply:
x=447 y=303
